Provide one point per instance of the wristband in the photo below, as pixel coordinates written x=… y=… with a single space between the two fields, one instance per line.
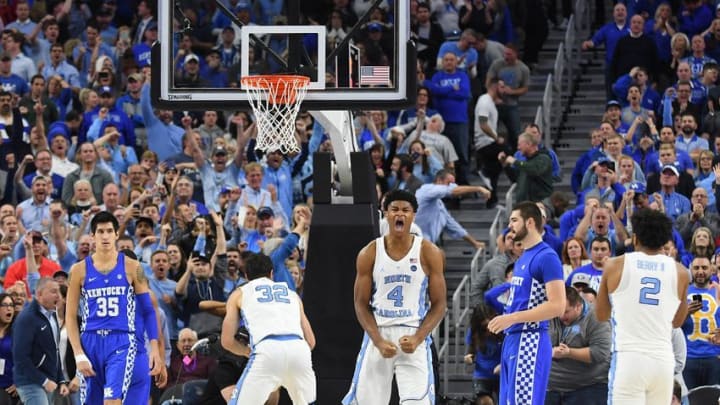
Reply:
x=81 y=357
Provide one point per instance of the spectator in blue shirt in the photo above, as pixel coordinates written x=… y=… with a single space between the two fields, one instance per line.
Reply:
x=698 y=59
x=609 y=34
x=58 y=66
x=675 y=203
x=82 y=54
x=599 y=250
x=107 y=111
x=689 y=142
x=129 y=103
x=141 y=50
x=432 y=216
x=451 y=93
x=10 y=81
x=695 y=16
x=464 y=50
x=164 y=137
x=638 y=76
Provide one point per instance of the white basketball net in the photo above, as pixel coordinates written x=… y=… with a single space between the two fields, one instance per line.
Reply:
x=276 y=100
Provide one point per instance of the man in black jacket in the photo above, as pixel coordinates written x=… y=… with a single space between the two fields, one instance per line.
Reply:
x=36 y=359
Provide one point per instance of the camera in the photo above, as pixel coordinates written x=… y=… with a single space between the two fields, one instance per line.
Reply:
x=697 y=298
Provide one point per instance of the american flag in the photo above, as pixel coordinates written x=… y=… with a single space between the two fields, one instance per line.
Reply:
x=375 y=75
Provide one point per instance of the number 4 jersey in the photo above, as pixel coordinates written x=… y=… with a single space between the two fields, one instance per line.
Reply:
x=399 y=287
x=644 y=304
x=107 y=300
x=269 y=308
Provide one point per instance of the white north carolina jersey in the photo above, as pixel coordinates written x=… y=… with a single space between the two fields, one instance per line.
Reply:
x=399 y=287
x=644 y=304
x=270 y=309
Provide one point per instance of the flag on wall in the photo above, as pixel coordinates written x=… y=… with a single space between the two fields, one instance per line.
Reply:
x=375 y=75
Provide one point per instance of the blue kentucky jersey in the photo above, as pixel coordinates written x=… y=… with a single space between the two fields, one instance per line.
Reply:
x=698 y=326
x=108 y=300
x=537 y=266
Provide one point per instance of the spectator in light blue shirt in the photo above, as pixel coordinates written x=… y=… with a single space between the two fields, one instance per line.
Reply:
x=164 y=137
x=689 y=142
x=34 y=213
x=59 y=66
x=433 y=218
x=164 y=289
x=217 y=176
x=23 y=23
x=675 y=203
x=82 y=53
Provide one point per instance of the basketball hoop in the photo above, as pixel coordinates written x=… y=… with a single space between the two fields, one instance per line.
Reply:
x=275 y=100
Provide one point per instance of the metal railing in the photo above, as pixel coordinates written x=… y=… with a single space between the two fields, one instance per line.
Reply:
x=571 y=53
x=510 y=198
x=538 y=121
x=477 y=263
x=558 y=90
x=547 y=105
x=497 y=225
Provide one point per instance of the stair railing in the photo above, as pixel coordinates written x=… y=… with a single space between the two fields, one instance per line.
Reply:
x=571 y=53
x=558 y=92
x=547 y=105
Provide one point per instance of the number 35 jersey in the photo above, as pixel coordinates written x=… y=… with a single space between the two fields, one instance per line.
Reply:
x=270 y=308
x=644 y=304
x=107 y=300
x=399 y=287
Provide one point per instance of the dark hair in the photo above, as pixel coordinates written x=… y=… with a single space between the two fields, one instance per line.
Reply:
x=72 y=115
x=400 y=195
x=601 y=239
x=588 y=290
x=479 y=334
x=424 y=159
x=405 y=162
x=104 y=217
x=652 y=228
x=258 y=265
x=4 y=295
x=37 y=76
x=423 y=5
x=529 y=209
x=572 y=295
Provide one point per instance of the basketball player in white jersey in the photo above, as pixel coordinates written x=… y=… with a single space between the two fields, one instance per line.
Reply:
x=395 y=275
x=648 y=291
x=280 y=338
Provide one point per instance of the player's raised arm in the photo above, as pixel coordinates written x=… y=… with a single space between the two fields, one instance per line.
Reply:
x=75 y=281
x=683 y=281
x=230 y=325
x=362 y=293
x=434 y=259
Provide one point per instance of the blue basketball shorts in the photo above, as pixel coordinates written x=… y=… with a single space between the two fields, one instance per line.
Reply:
x=525 y=368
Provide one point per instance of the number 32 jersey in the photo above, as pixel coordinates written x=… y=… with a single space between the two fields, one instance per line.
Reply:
x=399 y=287
x=270 y=308
x=644 y=304
x=107 y=300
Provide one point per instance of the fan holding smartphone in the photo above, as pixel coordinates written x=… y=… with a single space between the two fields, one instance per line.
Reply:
x=702 y=366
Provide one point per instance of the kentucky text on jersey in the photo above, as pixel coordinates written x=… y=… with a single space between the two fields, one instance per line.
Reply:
x=105 y=291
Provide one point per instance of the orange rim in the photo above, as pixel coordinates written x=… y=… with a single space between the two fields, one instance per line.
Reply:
x=280 y=88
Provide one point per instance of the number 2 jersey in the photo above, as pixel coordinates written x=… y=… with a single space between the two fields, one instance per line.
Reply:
x=107 y=301
x=644 y=304
x=399 y=287
x=270 y=309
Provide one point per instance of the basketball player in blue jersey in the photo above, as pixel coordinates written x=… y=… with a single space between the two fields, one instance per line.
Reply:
x=537 y=294
x=644 y=293
x=111 y=291
x=280 y=338
x=396 y=274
